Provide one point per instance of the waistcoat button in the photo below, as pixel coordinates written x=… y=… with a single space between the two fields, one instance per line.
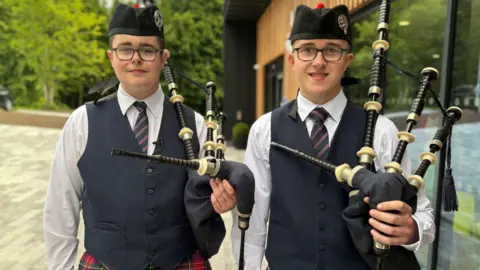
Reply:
x=150 y=170
x=151 y=191
x=151 y=212
x=322 y=206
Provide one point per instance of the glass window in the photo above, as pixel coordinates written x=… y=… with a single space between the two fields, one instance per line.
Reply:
x=416 y=41
x=459 y=246
x=274 y=95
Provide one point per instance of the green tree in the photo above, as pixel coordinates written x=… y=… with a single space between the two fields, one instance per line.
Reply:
x=193 y=33
x=53 y=51
x=58 y=42
x=14 y=73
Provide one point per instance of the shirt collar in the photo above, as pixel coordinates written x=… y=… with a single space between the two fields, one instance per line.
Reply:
x=154 y=102
x=334 y=107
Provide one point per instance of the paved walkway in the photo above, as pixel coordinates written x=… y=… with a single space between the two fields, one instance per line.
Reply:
x=26 y=155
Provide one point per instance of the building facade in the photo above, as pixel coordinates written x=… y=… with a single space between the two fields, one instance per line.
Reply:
x=423 y=33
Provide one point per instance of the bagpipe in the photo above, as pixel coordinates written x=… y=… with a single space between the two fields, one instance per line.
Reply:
x=389 y=186
x=206 y=224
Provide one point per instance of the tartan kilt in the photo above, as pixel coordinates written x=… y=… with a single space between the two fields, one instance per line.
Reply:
x=194 y=262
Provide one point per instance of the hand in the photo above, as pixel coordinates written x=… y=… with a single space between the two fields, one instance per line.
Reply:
x=223 y=197
x=399 y=228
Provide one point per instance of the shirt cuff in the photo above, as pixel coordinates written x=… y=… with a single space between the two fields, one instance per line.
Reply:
x=416 y=246
x=253 y=255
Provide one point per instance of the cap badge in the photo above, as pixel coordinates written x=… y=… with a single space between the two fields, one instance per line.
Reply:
x=343 y=23
x=158 y=18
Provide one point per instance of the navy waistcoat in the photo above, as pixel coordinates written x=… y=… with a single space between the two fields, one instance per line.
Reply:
x=133 y=208
x=306 y=228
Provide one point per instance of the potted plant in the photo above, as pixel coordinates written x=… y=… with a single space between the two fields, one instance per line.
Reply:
x=240 y=135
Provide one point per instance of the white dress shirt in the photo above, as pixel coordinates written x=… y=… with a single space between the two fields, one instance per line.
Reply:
x=63 y=201
x=257 y=159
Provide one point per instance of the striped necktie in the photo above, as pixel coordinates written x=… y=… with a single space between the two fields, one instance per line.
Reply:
x=319 y=134
x=141 y=126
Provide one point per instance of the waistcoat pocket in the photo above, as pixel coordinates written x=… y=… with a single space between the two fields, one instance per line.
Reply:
x=107 y=240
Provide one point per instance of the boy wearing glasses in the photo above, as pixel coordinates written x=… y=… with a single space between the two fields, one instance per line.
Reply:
x=303 y=203
x=133 y=209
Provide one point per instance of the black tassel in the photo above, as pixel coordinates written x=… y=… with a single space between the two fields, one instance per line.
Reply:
x=450 y=199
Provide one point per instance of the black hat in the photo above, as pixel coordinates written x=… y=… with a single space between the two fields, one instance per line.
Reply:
x=321 y=23
x=128 y=20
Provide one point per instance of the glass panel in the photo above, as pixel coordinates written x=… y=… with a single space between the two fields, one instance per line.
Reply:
x=268 y=89
x=459 y=246
x=416 y=42
x=273 y=84
x=279 y=96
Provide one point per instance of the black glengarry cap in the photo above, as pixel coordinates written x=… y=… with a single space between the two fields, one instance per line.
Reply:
x=129 y=20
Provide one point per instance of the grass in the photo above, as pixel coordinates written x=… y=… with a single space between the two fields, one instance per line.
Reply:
x=55 y=108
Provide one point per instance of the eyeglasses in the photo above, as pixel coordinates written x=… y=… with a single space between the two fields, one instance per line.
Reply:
x=330 y=54
x=126 y=53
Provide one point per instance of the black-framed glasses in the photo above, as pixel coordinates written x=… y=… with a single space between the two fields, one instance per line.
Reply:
x=126 y=53
x=330 y=54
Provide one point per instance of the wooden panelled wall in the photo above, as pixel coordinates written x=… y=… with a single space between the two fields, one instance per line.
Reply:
x=273 y=29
